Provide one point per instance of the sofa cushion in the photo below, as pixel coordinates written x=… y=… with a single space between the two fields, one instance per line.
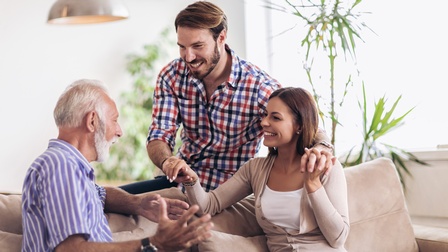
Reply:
x=228 y=242
x=11 y=213
x=378 y=213
x=431 y=238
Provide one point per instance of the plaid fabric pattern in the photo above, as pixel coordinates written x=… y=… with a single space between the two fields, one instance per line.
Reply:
x=218 y=135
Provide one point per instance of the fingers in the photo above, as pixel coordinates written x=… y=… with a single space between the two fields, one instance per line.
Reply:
x=162 y=209
x=199 y=229
x=202 y=233
x=176 y=208
x=313 y=159
x=174 y=166
x=304 y=160
x=175 y=203
x=177 y=235
x=183 y=219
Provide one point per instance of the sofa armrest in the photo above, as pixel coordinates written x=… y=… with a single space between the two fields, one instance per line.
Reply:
x=431 y=238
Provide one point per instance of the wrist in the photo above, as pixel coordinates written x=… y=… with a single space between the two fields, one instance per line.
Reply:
x=190 y=182
x=312 y=186
x=326 y=145
x=148 y=246
x=163 y=161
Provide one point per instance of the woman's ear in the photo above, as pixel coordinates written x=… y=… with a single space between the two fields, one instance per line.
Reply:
x=298 y=130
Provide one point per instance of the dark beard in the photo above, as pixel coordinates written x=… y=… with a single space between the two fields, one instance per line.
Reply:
x=214 y=61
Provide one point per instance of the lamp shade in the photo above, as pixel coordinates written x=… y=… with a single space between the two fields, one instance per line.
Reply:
x=86 y=11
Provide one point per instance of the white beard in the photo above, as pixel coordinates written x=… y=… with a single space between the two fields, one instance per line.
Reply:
x=102 y=146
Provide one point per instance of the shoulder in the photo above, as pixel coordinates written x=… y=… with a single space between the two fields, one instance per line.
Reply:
x=257 y=163
x=173 y=68
x=249 y=72
x=60 y=159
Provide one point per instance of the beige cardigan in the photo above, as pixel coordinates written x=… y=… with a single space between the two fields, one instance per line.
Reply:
x=324 y=222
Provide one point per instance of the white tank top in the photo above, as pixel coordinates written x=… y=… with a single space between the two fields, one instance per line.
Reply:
x=282 y=208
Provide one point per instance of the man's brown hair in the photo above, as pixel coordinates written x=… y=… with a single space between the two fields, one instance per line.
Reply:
x=202 y=15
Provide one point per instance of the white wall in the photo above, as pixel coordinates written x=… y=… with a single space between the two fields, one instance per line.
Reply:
x=38 y=60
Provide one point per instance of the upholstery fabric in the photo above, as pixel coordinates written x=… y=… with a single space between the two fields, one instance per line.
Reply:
x=11 y=216
x=229 y=242
x=379 y=220
x=431 y=238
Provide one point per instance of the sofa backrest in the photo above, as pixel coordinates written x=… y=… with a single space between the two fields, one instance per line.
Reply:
x=10 y=223
x=379 y=220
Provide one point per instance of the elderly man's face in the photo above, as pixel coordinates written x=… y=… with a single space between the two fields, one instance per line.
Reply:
x=108 y=132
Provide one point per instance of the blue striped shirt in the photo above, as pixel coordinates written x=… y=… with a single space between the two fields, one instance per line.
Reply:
x=60 y=199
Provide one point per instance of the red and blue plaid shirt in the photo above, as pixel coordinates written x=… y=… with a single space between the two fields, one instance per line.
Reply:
x=219 y=135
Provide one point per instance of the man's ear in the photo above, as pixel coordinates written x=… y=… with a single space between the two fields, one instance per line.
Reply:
x=222 y=36
x=91 y=121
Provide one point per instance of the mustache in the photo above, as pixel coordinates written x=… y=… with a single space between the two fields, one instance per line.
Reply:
x=114 y=140
x=193 y=61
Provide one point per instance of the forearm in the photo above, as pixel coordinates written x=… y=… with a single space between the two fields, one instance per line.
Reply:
x=197 y=196
x=77 y=243
x=119 y=201
x=333 y=223
x=330 y=207
x=158 y=151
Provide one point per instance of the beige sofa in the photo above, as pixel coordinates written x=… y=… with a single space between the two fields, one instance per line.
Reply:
x=379 y=219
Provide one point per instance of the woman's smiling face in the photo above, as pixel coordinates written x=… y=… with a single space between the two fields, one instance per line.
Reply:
x=279 y=125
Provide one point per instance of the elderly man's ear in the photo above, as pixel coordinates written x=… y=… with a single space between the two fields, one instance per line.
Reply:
x=92 y=121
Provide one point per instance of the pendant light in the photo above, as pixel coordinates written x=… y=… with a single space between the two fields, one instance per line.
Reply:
x=86 y=11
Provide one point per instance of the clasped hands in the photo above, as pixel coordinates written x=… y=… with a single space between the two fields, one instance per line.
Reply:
x=177 y=170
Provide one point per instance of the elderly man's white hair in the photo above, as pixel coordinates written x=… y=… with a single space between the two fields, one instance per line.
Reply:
x=78 y=99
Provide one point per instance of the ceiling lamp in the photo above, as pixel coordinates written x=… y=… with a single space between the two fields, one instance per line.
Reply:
x=86 y=11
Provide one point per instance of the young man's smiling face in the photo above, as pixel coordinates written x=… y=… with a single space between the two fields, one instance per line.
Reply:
x=199 y=50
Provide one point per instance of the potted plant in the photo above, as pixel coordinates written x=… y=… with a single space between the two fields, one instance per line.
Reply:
x=382 y=121
x=333 y=27
x=129 y=160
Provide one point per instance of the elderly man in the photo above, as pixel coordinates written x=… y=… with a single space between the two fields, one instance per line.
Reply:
x=63 y=208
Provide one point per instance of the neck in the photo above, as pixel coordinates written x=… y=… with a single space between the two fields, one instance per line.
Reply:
x=221 y=72
x=83 y=142
x=288 y=160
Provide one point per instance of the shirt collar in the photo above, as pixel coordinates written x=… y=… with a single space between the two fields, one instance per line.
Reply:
x=61 y=144
x=235 y=73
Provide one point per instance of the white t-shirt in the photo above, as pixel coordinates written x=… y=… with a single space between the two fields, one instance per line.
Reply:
x=282 y=208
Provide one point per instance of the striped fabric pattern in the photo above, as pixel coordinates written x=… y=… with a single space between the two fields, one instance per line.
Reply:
x=60 y=198
x=220 y=134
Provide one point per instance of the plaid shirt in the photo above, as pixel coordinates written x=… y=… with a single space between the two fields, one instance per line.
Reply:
x=219 y=135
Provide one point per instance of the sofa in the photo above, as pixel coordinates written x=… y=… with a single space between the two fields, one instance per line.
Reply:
x=379 y=220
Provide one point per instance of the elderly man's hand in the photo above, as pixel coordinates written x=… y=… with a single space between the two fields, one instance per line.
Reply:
x=183 y=233
x=150 y=203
